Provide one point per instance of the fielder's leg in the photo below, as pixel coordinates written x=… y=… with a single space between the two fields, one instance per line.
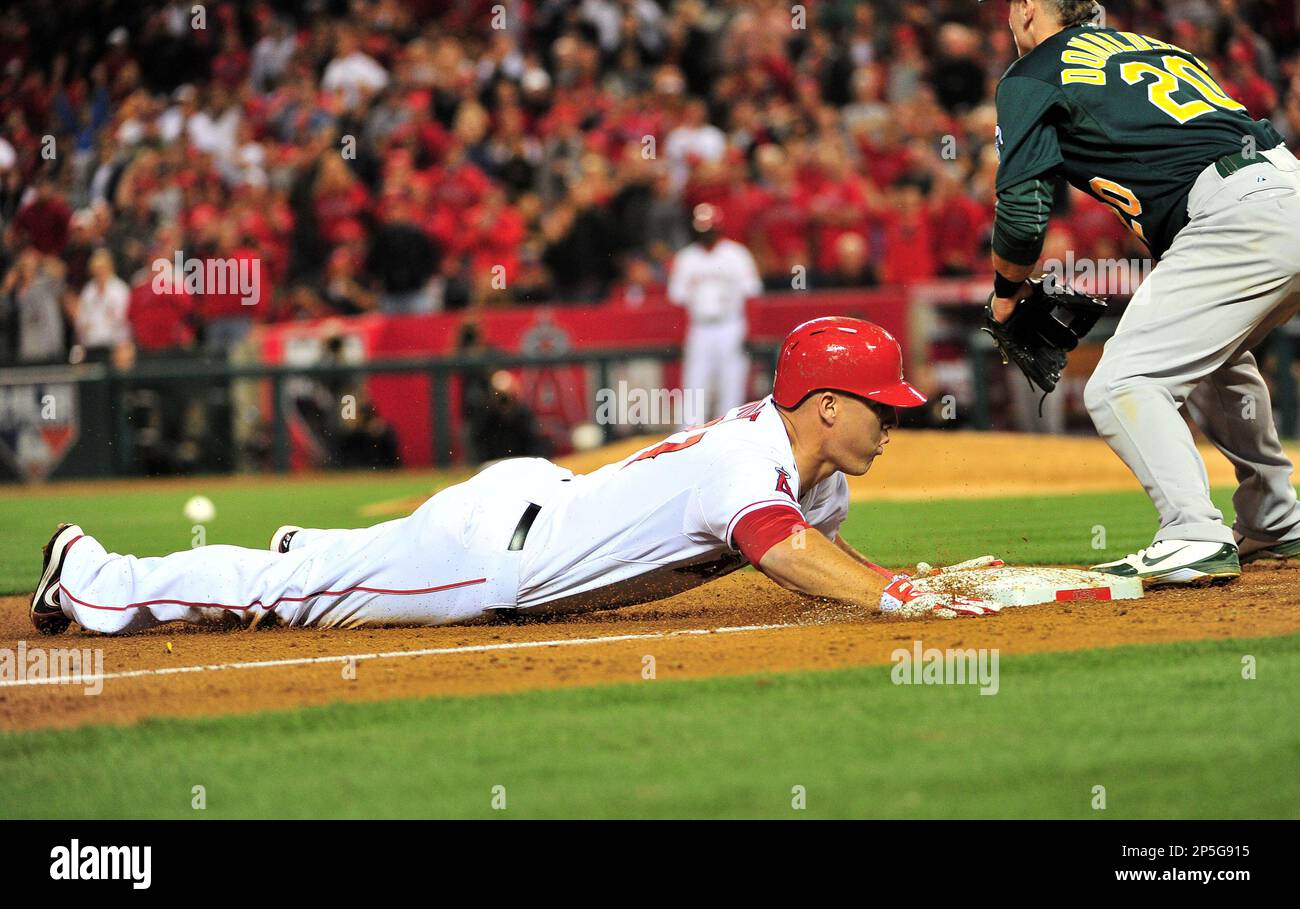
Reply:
x=1234 y=410
x=1227 y=274
x=1134 y=397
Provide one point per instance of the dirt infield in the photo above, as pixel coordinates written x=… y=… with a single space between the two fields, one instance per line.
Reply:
x=740 y=624
x=1266 y=601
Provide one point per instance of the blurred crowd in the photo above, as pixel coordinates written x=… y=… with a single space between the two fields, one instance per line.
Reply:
x=420 y=155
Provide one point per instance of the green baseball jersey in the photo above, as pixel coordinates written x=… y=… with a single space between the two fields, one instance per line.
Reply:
x=1126 y=118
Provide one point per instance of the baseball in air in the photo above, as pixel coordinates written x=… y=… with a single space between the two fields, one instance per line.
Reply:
x=586 y=436
x=200 y=510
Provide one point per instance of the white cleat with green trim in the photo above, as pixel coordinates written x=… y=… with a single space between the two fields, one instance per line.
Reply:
x=1178 y=562
x=1257 y=550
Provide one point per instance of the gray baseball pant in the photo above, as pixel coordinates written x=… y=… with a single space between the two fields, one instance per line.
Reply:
x=1230 y=277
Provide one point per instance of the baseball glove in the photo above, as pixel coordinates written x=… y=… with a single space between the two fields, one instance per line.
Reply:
x=1043 y=328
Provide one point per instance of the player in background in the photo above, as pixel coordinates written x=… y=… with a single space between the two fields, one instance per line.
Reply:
x=713 y=277
x=1215 y=196
x=763 y=485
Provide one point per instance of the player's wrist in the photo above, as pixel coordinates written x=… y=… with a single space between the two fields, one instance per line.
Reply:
x=1004 y=287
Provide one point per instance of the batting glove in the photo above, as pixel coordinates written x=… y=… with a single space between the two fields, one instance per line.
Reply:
x=926 y=570
x=900 y=598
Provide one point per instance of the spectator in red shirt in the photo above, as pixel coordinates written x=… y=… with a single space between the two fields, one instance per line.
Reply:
x=909 y=234
x=43 y=222
x=339 y=197
x=1250 y=88
x=780 y=238
x=230 y=66
x=266 y=220
x=839 y=206
x=459 y=185
x=161 y=315
x=852 y=264
x=960 y=225
x=227 y=316
x=887 y=158
x=493 y=231
x=639 y=286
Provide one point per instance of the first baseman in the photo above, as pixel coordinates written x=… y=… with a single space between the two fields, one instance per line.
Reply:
x=764 y=484
x=1215 y=196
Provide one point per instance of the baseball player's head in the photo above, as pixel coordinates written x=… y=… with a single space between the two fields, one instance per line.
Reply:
x=839 y=382
x=1034 y=21
x=705 y=221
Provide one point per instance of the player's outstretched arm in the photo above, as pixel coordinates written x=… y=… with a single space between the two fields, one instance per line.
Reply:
x=808 y=562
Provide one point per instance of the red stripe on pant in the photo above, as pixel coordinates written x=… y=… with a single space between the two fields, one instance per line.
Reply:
x=274 y=603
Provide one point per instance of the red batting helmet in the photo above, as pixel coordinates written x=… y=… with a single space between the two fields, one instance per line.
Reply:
x=842 y=354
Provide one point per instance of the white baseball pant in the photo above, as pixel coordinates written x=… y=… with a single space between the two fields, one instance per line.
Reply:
x=715 y=368
x=449 y=561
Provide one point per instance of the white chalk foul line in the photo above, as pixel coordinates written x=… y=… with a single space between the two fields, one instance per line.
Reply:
x=390 y=655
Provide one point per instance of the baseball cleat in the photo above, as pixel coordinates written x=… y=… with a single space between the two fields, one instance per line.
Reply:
x=1178 y=562
x=1254 y=550
x=281 y=538
x=47 y=615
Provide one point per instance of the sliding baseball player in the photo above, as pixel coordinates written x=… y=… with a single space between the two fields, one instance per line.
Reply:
x=764 y=484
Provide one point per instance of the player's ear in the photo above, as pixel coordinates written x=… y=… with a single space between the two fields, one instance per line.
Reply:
x=828 y=405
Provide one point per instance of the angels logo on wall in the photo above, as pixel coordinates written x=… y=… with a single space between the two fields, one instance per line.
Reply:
x=544 y=337
x=556 y=394
x=38 y=426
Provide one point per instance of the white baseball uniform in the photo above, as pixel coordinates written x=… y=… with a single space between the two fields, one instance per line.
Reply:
x=661 y=521
x=713 y=285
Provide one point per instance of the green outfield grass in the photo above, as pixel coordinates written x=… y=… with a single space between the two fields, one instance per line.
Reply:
x=149 y=521
x=1171 y=731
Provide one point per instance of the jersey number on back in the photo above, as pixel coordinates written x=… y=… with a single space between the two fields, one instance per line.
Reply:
x=1160 y=92
x=1122 y=199
x=748 y=412
x=1177 y=72
x=665 y=448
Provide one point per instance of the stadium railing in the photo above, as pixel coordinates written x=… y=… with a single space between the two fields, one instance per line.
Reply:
x=101 y=416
